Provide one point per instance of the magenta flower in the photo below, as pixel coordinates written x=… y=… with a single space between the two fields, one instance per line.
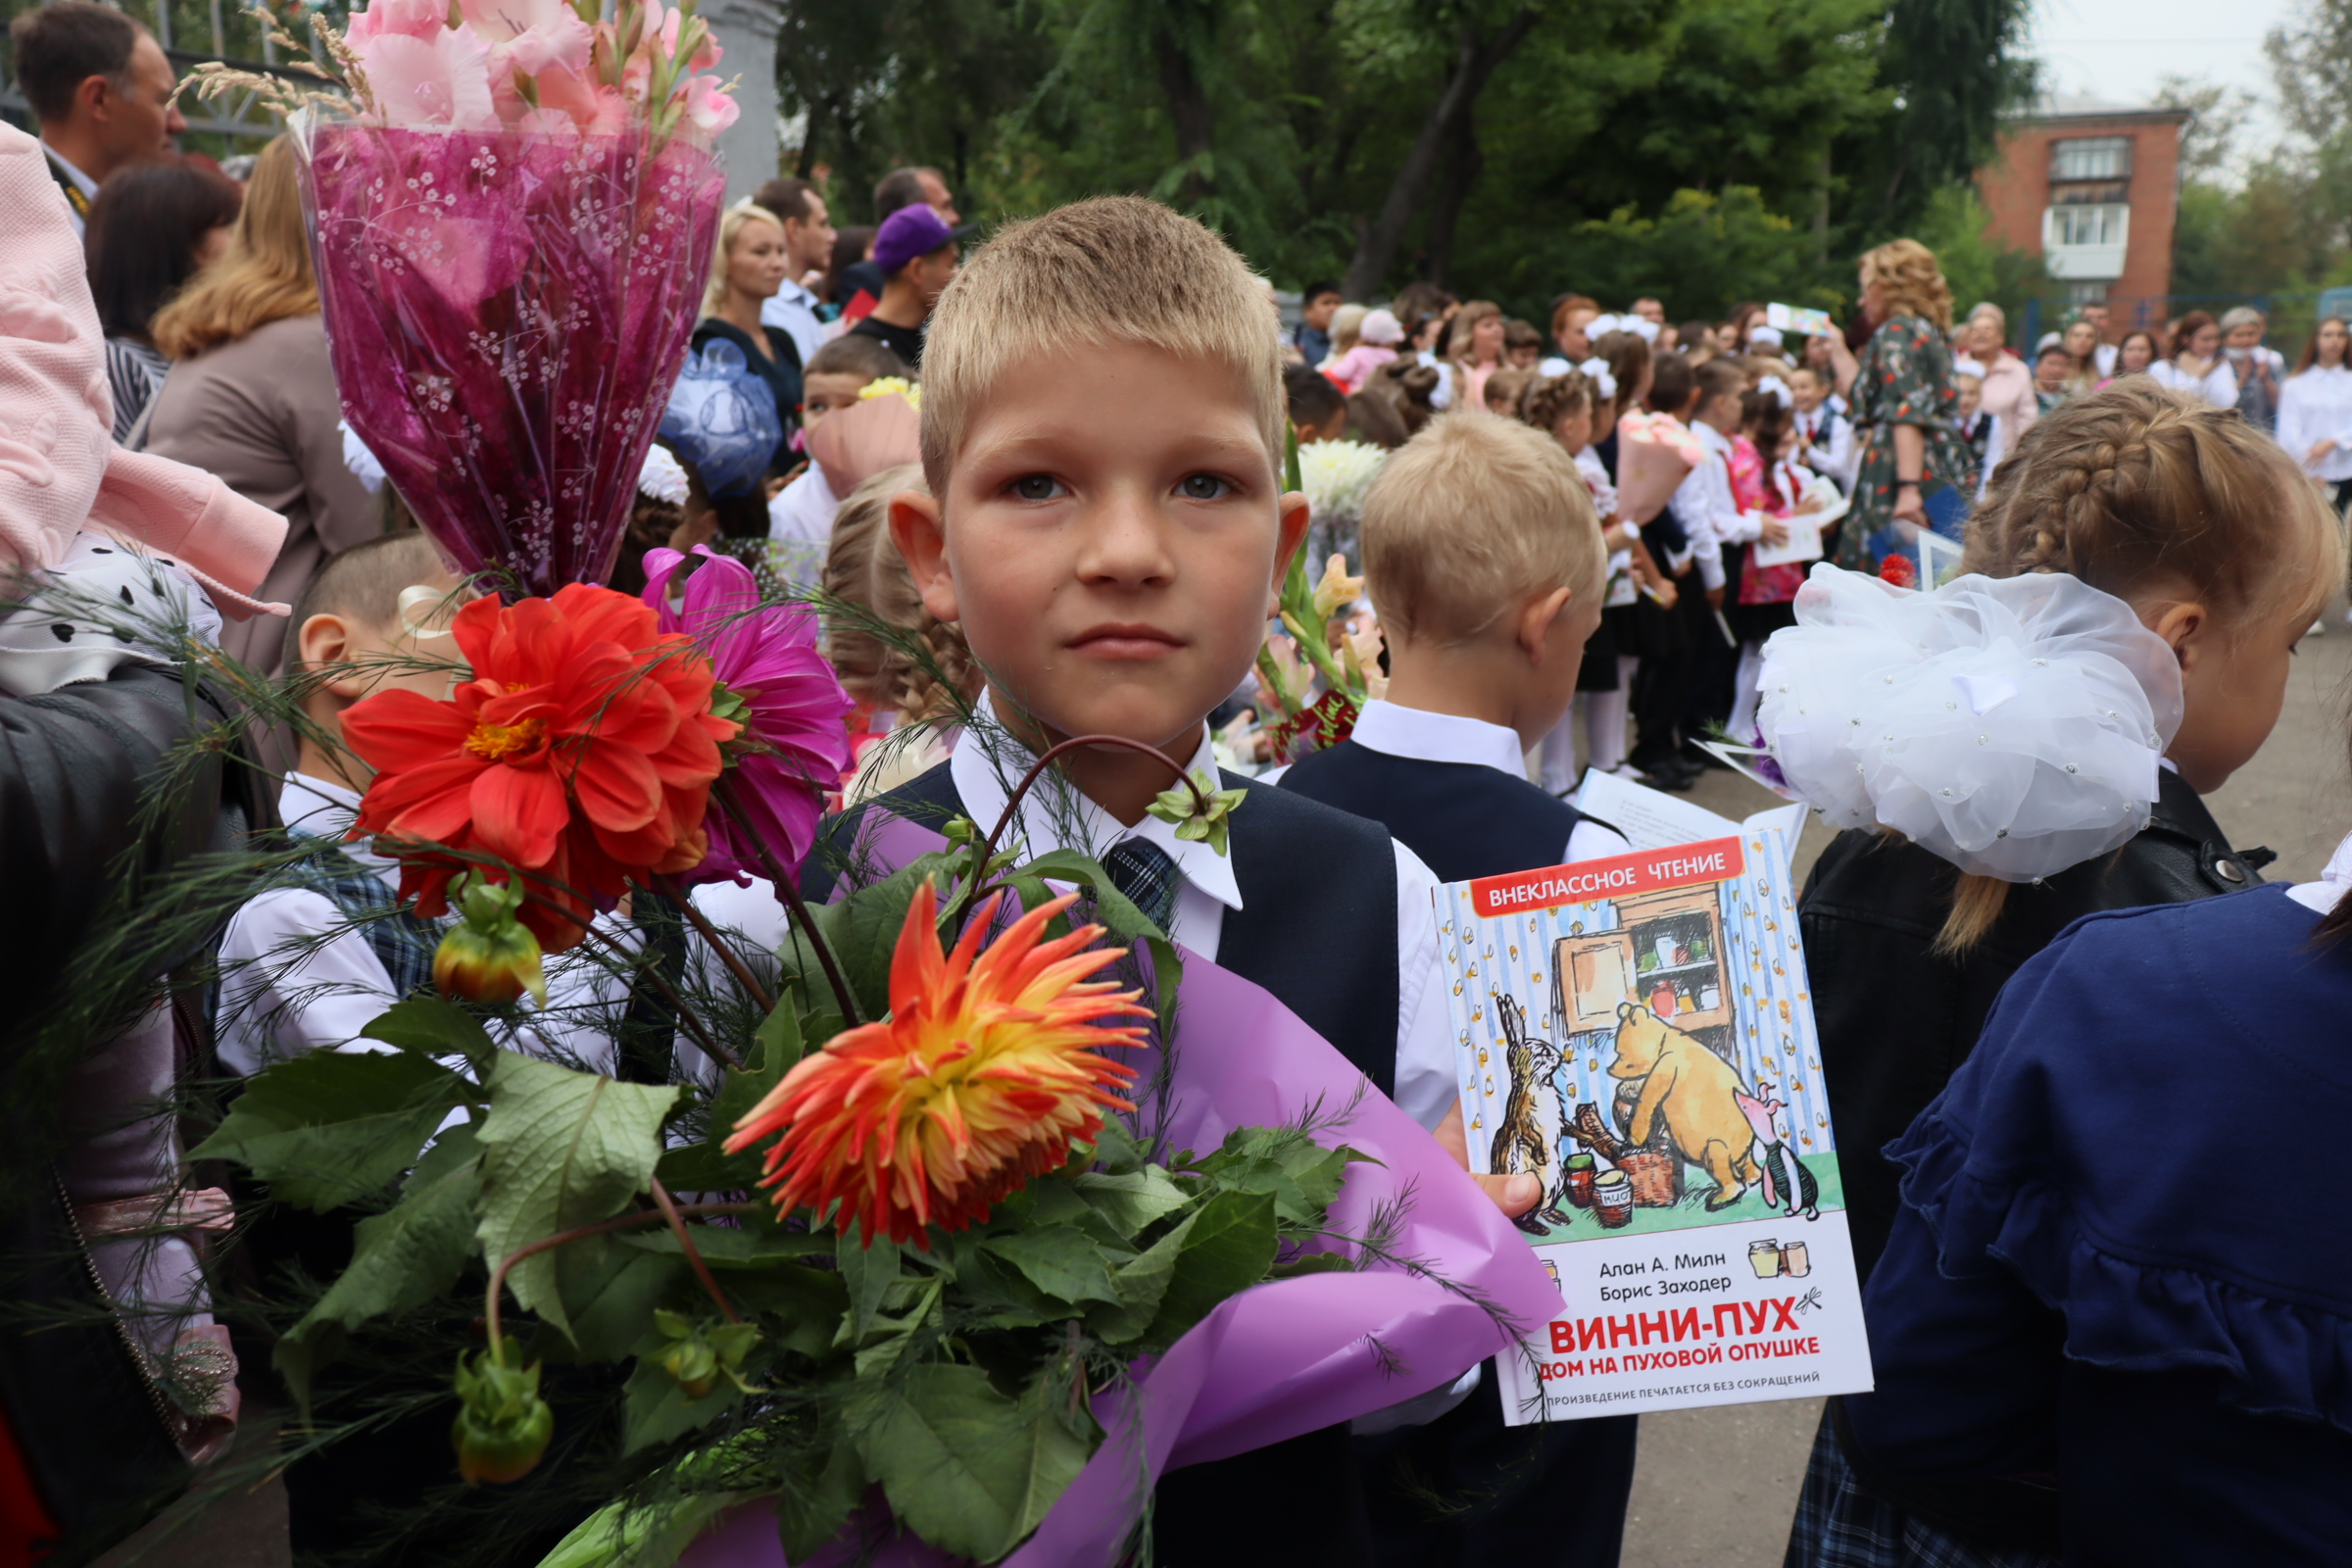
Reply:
x=795 y=743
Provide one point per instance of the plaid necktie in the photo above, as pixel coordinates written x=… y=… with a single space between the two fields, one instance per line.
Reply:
x=1147 y=874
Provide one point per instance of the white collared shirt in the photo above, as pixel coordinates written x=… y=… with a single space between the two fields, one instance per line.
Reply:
x=298 y=976
x=1703 y=504
x=2322 y=897
x=794 y=309
x=81 y=182
x=1828 y=443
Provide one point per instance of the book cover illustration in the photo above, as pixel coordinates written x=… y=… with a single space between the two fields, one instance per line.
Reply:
x=1636 y=1034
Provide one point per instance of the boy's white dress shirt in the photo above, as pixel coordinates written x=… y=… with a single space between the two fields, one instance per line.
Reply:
x=1703 y=504
x=298 y=976
x=1828 y=443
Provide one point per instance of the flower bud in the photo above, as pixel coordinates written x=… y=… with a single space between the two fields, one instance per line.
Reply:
x=489 y=956
x=503 y=1426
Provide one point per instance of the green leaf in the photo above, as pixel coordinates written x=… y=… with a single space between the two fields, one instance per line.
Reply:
x=609 y=1290
x=868 y=1272
x=969 y=1470
x=1116 y=1151
x=330 y=1126
x=824 y=1483
x=433 y=1026
x=725 y=1247
x=1141 y=1285
x=802 y=1308
x=1227 y=1247
x=656 y=1409
x=1312 y=1263
x=1058 y=1261
x=399 y=1260
x=563 y=1149
x=1132 y=1202
x=862 y=930
x=629 y=1534
x=706 y=1166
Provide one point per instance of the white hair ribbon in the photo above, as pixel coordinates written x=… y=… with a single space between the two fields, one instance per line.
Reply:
x=1596 y=370
x=1778 y=388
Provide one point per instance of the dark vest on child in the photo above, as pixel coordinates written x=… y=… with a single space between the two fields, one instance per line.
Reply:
x=1555 y=1492
x=1464 y=820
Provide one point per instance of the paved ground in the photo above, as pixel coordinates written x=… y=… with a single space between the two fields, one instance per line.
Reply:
x=1714 y=1489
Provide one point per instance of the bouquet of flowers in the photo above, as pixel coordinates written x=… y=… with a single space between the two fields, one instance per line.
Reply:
x=512 y=209
x=950 y=1251
x=1317 y=673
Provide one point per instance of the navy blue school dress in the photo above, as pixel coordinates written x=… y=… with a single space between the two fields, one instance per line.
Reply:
x=2123 y=1265
x=1466 y=1490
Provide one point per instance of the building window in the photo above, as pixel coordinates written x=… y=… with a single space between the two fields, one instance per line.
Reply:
x=2091 y=158
x=2085 y=293
x=2082 y=242
x=2071 y=227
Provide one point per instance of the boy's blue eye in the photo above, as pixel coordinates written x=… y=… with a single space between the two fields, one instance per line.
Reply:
x=1036 y=486
x=1203 y=487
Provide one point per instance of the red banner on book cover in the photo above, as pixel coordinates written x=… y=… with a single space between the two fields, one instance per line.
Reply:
x=1685 y=864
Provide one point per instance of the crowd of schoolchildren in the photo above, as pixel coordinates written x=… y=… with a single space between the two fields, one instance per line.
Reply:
x=2108 y=1313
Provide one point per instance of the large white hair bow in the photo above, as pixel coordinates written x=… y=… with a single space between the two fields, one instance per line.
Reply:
x=1596 y=370
x=2012 y=726
x=1777 y=389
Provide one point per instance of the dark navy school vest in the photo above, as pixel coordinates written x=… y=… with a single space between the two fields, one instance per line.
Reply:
x=1464 y=820
x=1317 y=925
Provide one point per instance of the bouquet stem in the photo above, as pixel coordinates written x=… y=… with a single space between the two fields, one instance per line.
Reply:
x=787 y=888
x=672 y=1213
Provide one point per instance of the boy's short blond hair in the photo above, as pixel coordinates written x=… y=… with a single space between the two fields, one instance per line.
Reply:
x=1111 y=270
x=1471 y=518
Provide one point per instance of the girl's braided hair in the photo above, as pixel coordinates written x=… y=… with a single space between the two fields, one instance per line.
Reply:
x=863 y=568
x=2132 y=488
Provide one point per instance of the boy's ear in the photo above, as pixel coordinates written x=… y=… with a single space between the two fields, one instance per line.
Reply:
x=328 y=638
x=1291 y=520
x=1538 y=622
x=915 y=528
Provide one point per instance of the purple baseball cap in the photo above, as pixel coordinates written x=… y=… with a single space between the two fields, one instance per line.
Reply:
x=914 y=231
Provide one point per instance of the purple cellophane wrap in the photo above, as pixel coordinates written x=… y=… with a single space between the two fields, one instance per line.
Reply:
x=506 y=314
x=1282 y=1358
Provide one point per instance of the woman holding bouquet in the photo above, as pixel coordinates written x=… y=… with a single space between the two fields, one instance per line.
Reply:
x=749 y=266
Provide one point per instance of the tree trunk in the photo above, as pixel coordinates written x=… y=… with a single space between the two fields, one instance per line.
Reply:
x=1464 y=167
x=1188 y=109
x=1474 y=62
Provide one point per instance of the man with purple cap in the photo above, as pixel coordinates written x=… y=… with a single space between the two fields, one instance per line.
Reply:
x=915 y=252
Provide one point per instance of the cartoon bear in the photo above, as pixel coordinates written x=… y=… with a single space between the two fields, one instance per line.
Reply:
x=1694 y=1091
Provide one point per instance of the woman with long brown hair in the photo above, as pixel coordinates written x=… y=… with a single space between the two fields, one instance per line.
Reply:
x=252 y=397
x=1473 y=347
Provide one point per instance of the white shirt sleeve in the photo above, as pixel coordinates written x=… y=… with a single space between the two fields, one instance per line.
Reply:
x=296 y=976
x=1425 y=1056
x=2291 y=434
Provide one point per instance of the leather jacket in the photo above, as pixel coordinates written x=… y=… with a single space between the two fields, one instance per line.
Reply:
x=1897 y=1020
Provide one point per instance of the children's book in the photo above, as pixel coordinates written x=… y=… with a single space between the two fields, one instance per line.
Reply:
x=1798 y=319
x=1638 y=1033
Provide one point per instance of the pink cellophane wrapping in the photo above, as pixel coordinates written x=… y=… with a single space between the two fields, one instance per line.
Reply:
x=508 y=311
x=1282 y=1358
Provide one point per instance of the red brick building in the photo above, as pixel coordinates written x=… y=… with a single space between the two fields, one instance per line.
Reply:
x=2092 y=189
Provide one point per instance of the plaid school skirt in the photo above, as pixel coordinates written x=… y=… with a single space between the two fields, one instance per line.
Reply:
x=1839 y=1525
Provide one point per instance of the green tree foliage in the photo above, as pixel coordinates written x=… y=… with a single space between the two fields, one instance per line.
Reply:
x=1501 y=147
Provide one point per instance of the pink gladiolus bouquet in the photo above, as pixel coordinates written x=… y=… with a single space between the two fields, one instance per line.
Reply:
x=513 y=220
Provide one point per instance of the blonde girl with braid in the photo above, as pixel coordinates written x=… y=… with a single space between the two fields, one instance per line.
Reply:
x=2213 y=541
x=874 y=635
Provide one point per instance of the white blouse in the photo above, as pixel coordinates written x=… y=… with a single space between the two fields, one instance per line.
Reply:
x=2216 y=386
x=2315 y=406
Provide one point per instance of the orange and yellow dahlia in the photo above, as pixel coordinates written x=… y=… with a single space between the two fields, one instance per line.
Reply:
x=983 y=1076
x=582 y=754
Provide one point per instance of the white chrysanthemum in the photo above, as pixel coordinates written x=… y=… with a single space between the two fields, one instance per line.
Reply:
x=1335 y=474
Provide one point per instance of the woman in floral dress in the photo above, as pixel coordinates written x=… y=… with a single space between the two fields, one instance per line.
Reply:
x=1904 y=402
